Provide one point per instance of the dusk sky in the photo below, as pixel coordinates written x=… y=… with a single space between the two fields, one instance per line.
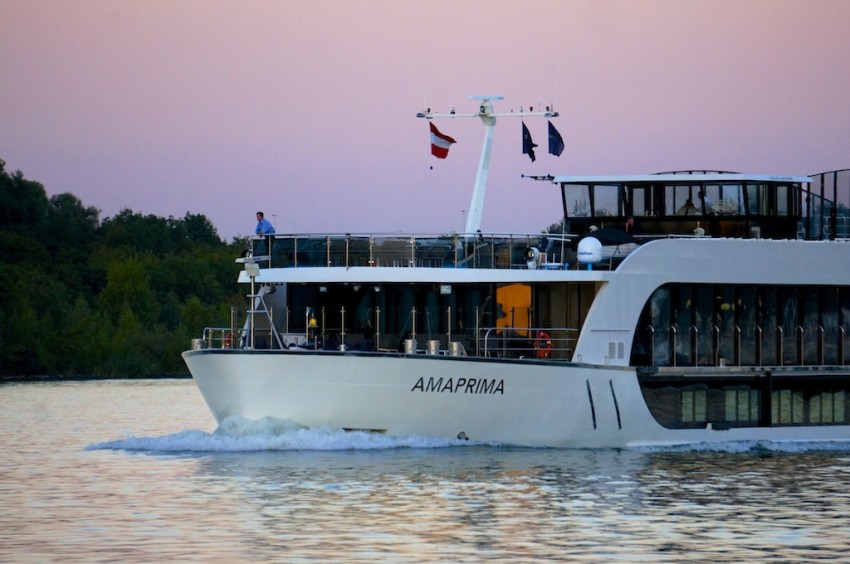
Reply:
x=306 y=109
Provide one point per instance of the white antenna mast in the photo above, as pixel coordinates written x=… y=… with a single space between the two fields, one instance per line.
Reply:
x=488 y=118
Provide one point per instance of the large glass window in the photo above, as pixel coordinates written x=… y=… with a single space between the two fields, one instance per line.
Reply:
x=790 y=330
x=782 y=201
x=578 y=200
x=788 y=407
x=767 y=324
x=709 y=197
x=829 y=334
x=681 y=200
x=809 y=330
x=607 y=200
x=742 y=404
x=756 y=204
x=844 y=326
x=682 y=317
x=828 y=407
x=731 y=200
x=659 y=305
x=694 y=405
x=746 y=336
x=641 y=201
x=703 y=330
x=724 y=334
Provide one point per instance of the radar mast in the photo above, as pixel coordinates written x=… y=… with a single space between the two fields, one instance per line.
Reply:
x=488 y=118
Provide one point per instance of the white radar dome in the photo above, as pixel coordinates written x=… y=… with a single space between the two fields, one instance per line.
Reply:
x=589 y=250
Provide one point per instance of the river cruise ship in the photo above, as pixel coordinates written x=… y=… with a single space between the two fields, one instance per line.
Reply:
x=674 y=308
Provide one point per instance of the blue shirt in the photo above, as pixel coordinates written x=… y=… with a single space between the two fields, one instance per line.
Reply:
x=264 y=227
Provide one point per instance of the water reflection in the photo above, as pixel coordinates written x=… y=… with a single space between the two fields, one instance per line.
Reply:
x=67 y=495
x=520 y=503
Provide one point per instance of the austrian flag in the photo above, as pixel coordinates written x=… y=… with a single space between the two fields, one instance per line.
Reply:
x=440 y=143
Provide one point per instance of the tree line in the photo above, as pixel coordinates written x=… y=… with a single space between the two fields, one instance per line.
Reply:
x=117 y=297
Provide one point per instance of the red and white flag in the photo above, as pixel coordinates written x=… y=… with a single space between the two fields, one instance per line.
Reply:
x=440 y=143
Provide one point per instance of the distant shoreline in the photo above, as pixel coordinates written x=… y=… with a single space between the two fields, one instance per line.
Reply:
x=35 y=379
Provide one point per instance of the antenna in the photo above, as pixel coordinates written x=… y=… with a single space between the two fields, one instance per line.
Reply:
x=552 y=86
x=488 y=118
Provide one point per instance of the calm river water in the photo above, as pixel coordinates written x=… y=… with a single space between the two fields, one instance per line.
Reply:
x=135 y=471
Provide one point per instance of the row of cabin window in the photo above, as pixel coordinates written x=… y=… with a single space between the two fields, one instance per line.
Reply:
x=708 y=325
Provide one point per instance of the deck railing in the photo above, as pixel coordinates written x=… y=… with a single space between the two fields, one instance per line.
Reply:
x=556 y=343
x=477 y=250
x=544 y=343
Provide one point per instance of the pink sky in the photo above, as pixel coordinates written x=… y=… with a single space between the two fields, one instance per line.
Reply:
x=306 y=109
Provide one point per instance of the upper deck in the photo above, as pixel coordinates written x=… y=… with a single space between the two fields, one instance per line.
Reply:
x=631 y=210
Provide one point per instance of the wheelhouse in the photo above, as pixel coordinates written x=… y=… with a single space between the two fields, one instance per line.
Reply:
x=721 y=204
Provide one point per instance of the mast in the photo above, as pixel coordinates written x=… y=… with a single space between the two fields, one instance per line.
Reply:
x=488 y=118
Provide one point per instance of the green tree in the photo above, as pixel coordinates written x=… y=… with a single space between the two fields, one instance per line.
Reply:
x=22 y=202
x=200 y=230
x=128 y=287
x=113 y=298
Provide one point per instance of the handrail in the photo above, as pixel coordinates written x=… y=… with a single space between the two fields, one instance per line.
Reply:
x=540 y=342
x=476 y=250
x=219 y=338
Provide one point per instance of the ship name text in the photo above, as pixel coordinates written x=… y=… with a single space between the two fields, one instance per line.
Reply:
x=460 y=385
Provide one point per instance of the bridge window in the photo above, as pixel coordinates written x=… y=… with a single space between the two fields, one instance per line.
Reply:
x=680 y=200
x=756 y=199
x=607 y=200
x=577 y=200
x=782 y=201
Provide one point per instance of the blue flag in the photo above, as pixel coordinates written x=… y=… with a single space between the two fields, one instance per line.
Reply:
x=527 y=144
x=556 y=142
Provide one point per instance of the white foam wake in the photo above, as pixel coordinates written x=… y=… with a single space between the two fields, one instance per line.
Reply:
x=236 y=434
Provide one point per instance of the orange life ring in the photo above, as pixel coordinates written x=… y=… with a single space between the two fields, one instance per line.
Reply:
x=543 y=344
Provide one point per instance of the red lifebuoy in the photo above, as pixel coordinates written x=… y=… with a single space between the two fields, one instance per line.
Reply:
x=543 y=344
x=228 y=340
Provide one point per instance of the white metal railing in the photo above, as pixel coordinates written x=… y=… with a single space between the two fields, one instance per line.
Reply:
x=529 y=342
x=552 y=343
x=458 y=250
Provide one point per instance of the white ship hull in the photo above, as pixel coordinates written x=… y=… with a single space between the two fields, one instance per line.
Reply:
x=517 y=403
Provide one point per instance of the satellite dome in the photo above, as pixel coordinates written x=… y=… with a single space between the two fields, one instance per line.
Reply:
x=589 y=250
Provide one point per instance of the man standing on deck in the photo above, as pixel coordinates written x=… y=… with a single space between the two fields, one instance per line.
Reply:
x=263 y=226
x=266 y=230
